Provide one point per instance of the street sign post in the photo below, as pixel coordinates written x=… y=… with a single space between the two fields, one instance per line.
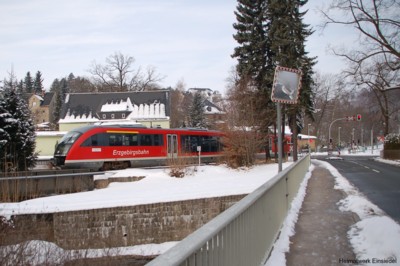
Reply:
x=285 y=89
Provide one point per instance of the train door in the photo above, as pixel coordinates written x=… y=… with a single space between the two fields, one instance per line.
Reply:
x=172 y=145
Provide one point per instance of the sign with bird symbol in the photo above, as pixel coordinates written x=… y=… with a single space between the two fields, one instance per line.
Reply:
x=286 y=86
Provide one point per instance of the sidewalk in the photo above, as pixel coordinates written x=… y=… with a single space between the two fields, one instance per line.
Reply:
x=321 y=229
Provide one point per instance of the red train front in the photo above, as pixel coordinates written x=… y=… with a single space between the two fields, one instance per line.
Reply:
x=113 y=147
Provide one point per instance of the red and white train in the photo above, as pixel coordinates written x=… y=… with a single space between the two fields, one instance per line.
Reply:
x=122 y=146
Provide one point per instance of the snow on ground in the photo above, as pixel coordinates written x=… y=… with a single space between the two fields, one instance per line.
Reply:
x=375 y=237
x=46 y=253
x=38 y=252
x=157 y=186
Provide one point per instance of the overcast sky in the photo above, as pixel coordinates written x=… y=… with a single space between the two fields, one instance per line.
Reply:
x=188 y=40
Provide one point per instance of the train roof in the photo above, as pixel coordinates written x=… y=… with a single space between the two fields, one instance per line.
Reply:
x=139 y=126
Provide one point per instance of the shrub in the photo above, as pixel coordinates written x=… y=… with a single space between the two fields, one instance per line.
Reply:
x=241 y=146
x=392 y=142
x=179 y=167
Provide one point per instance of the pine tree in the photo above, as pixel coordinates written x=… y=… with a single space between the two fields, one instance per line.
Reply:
x=56 y=88
x=21 y=86
x=18 y=135
x=254 y=55
x=64 y=88
x=271 y=33
x=28 y=83
x=252 y=52
x=38 y=84
x=196 y=112
x=4 y=136
x=287 y=35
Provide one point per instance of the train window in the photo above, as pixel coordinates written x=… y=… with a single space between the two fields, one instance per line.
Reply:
x=145 y=140
x=115 y=139
x=133 y=140
x=125 y=140
x=158 y=140
x=70 y=137
x=207 y=143
x=91 y=141
x=151 y=140
x=189 y=143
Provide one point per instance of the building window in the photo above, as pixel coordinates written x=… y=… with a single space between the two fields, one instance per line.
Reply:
x=123 y=115
x=104 y=116
x=112 y=116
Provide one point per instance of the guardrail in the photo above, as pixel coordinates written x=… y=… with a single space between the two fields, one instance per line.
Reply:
x=245 y=233
x=17 y=188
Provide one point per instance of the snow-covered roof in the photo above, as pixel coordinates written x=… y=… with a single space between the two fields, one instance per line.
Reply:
x=153 y=110
x=287 y=130
x=51 y=133
x=71 y=118
x=40 y=98
x=211 y=108
x=93 y=107
x=118 y=106
x=302 y=136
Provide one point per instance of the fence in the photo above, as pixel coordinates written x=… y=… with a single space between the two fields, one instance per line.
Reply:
x=245 y=233
x=30 y=186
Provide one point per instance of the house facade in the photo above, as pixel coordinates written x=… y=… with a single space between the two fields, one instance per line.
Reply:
x=151 y=109
x=212 y=104
x=41 y=109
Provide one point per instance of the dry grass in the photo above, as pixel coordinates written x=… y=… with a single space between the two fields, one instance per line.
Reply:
x=181 y=166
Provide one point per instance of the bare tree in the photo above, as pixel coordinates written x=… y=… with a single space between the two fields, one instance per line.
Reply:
x=179 y=109
x=333 y=99
x=376 y=78
x=378 y=25
x=244 y=137
x=118 y=74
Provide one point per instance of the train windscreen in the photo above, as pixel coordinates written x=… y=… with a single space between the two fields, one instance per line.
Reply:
x=66 y=143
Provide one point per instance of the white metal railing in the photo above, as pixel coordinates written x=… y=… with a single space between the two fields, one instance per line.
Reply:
x=245 y=233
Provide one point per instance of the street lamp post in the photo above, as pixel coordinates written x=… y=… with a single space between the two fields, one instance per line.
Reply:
x=339 y=138
x=308 y=135
x=362 y=137
x=330 y=126
x=372 y=139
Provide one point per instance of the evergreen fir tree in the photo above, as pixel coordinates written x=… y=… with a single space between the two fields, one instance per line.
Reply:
x=4 y=136
x=38 y=83
x=64 y=88
x=28 y=83
x=196 y=112
x=271 y=33
x=18 y=131
x=56 y=88
x=254 y=55
x=252 y=52
x=287 y=35
x=21 y=86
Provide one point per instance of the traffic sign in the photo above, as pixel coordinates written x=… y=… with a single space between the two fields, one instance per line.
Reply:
x=286 y=86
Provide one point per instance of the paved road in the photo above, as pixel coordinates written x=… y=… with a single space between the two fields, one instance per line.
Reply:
x=378 y=181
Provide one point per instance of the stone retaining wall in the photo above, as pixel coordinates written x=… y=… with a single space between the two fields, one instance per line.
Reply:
x=121 y=226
